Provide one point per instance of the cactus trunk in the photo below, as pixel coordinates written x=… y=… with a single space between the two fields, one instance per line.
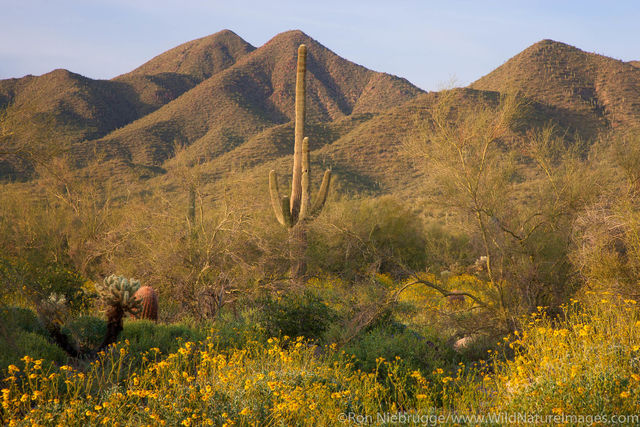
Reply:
x=296 y=187
x=297 y=252
x=114 y=313
x=294 y=211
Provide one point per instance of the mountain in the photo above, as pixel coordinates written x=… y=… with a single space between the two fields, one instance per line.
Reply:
x=585 y=91
x=253 y=95
x=56 y=109
x=61 y=108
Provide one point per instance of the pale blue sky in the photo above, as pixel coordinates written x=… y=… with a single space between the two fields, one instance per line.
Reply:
x=427 y=42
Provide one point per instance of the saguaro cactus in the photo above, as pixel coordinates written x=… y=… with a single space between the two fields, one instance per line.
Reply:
x=293 y=211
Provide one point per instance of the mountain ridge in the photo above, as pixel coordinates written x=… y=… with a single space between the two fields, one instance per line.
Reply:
x=226 y=106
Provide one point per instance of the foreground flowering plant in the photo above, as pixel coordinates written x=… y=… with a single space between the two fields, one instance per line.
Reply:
x=585 y=362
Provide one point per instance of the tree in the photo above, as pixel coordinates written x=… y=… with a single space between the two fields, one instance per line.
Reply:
x=516 y=189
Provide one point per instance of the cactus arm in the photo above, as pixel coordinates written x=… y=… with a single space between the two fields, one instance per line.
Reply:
x=276 y=200
x=322 y=194
x=304 y=205
x=305 y=202
x=296 y=185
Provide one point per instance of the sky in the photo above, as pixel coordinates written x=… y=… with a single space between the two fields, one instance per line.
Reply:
x=433 y=44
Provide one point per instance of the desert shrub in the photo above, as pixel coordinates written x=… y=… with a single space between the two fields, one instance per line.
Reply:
x=234 y=330
x=521 y=228
x=30 y=343
x=607 y=244
x=367 y=236
x=446 y=250
x=600 y=251
x=390 y=340
x=14 y=318
x=87 y=331
x=39 y=279
x=22 y=335
x=582 y=362
x=294 y=314
x=26 y=336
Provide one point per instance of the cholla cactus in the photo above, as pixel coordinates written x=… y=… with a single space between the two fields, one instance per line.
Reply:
x=117 y=291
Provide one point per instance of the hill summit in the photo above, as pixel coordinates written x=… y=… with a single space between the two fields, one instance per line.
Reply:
x=586 y=91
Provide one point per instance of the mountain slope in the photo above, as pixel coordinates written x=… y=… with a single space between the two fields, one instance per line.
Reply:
x=586 y=91
x=367 y=153
x=56 y=109
x=170 y=74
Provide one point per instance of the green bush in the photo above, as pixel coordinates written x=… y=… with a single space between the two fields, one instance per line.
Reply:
x=295 y=314
x=87 y=331
x=234 y=330
x=445 y=250
x=13 y=318
x=40 y=279
x=22 y=343
x=390 y=340
x=24 y=336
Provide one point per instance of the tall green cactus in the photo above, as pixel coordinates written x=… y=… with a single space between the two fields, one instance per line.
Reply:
x=293 y=211
x=290 y=211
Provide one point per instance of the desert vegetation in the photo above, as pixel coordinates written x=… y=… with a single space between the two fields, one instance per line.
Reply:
x=503 y=279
